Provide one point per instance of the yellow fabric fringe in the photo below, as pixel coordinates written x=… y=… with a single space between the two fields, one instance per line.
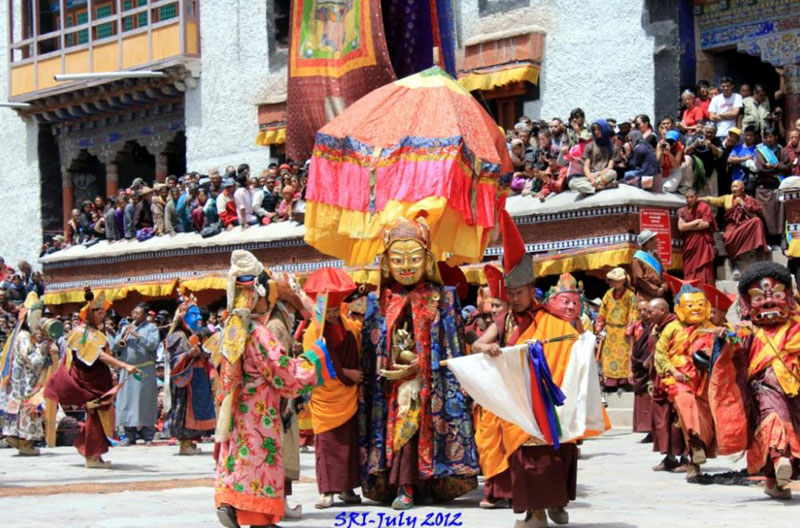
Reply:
x=275 y=136
x=488 y=80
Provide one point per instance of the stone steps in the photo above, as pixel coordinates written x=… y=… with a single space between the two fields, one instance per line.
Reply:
x=620 y=409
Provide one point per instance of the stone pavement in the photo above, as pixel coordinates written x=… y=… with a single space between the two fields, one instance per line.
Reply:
x=152 y=487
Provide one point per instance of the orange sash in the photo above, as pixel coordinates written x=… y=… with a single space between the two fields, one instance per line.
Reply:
x=333 y=403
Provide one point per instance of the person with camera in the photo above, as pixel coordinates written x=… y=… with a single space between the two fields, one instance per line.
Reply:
x=137 y=405
x=707 y=147
x=669 y=152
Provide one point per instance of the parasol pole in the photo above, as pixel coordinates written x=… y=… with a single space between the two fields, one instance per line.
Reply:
x=524 y=346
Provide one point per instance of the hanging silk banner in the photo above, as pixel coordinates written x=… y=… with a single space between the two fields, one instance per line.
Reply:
x=337 y=54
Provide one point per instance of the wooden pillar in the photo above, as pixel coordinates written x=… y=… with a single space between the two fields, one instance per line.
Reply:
x=67 y=198
x=112 y=180
x=162 y=167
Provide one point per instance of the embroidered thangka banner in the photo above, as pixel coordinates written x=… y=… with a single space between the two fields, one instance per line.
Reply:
x=338 y=53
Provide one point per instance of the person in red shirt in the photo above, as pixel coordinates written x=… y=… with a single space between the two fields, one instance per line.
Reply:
x=693 y=113
x=703 y=96
x=554 y=178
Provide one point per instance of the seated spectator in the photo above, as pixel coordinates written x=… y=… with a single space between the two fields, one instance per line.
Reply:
x=771 y=168
x=36 y=284
x=198 y=213
x=572 y=157
x=16 y=290
x=264 y=217
x=143 y=214
x=298 y=188
x=692 y=114
x=669 y=153
x=644 y=170
x=558 y=134
x=622 y=148
x=99 y=204
x=791 y=152
x=172 y=224
x=553 y=178
x=159 y=205
x=742 y=157
x=665 y=125
x=642 y=124
x=517 y=153
x=99 y=225
x=85 y=225
x=577 y=123
x=707 y=147
x=545 y=145
x=130 y=209
x=756 y=110
x=244 y=200
x=112 y=229
x=523 y=132
x=214 y=177
x=73 y=229
x=285 y=208
x=598 y=162
x=210 y=208
x=744 y=229
x=226 y=207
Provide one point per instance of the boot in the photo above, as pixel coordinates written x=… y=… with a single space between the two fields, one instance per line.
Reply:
x=558 y=515
x=226 y=515
x=533 y=519
x=698 y=455
x=292 y=512
x=777 y=492
x=13 y=441
x=405 y=498
x=783 y=472
x=325 y=501
x=97 y=463
x=349 y=497
x=692 y=470
x=26 y=449
x=188 y=448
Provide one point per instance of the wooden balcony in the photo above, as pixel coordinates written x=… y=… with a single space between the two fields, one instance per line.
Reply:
x=98 y=36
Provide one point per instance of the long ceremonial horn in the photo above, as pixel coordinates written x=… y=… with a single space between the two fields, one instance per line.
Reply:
x=525 y=344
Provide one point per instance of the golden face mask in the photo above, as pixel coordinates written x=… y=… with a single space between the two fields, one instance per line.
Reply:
x=693 y=308
x=407 y=260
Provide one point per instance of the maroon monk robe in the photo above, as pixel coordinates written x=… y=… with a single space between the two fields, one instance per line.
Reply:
x=499 y=486
x=79 y=386
x=531 y=466
x=698 y=246
x=667 y=438
x=744 y=228
x=336 y=450
x=641 y=357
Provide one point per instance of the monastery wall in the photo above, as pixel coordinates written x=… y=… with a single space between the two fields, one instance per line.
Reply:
x=222 y=110
x=20 y=218
x=597 y=56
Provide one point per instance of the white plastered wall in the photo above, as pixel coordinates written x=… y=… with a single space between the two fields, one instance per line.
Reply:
x=20 y=216
x=597 y=54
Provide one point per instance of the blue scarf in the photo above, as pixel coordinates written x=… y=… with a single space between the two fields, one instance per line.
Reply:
x=550 y=392
x=648 y=259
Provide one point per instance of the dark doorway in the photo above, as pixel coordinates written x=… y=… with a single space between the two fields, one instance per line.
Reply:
x=176 y=155
x=50 y=186
x=743 y=68
x=134 y=161
x=88 y=178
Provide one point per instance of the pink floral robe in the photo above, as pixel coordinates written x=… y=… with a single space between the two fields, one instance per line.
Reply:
x=250 y=470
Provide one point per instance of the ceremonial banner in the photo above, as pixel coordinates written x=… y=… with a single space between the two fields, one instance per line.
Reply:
x=337 y=54
x=502 y=386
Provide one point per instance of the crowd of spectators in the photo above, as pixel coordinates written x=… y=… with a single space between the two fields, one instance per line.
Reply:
x=15 y=285
x=205 y=204
x=717 y=136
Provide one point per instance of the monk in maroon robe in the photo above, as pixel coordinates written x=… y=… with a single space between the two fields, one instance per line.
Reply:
x=641 y=358
x=667 y=438
x=696 y=224
x=744 y=225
